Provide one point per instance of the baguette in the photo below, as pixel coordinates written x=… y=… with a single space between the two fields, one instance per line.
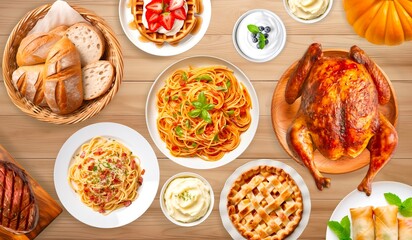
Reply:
x=60 y=30
x=63 y=87
x=97 y=79
x=28 y=80
x=88 y=40
x=34 y=48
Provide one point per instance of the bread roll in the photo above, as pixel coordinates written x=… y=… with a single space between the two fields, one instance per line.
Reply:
x=63 y=88
x=28 y=80
x=34 y=48
x=97 y=79
x=88 y=40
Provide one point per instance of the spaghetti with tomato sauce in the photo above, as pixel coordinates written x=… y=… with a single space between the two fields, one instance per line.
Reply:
x=106 y=175
x=202 y=112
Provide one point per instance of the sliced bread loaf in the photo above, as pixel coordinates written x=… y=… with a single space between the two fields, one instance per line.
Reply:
x=97 y=78
x=88 y=40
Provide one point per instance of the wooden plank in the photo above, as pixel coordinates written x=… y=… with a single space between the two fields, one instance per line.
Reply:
x=49 y=209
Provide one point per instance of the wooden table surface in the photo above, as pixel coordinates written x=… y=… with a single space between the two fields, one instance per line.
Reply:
x=35 y=144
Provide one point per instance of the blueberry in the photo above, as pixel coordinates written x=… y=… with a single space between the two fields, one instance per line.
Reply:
x=266 y=42
x=266 y=35
x=267 y=29
x=253 y=35
x=254 y=40
x=258 y=46
x=261 y=28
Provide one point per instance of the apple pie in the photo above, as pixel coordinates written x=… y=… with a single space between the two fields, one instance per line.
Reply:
x=265 y=203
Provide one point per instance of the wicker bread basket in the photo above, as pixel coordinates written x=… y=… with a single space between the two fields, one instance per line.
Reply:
x=89 y=108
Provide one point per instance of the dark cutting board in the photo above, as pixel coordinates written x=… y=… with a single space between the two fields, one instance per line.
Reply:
x=49 y=209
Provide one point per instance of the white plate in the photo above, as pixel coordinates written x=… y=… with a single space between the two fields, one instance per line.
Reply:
x=151 y=113
x=132 y=140
x=227 y=223
x=359 y=199
x=126 y=17
x=243 y=41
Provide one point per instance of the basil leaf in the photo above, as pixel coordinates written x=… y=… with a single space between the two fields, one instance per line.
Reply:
x=195 y=113
x=393 y=199
x=345 y=223
x=184 y=76
x=200 y=130
x=406 y=208
x=206 y=116
x=166 y=98
x=175 y=97
x=209 y=107
x=197 y=104
x=253 y=28
x=230 y=112
x=202 y=98
x=179 y=131
x=194 y=144
x=262 y=40
x=216 y=138
x=204 y=77
x=228 y=84
x=188 y=125
x=337 y=229
x=223 y=89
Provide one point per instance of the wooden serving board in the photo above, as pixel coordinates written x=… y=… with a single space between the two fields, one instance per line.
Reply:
x=283 y=114
x=48 y=207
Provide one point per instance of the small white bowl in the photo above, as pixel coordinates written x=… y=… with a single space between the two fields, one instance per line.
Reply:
x=163 y=206
x=314 y=20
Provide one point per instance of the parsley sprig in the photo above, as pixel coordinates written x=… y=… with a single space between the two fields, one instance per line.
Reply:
x=405 y=207
x=341 y=229
x=202 y=108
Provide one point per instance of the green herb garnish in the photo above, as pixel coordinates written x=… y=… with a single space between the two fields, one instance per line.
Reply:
x=253 y=28
x=204 y=77
x=185 y=196
x=202 y=108
x=175 y=97
x=184 y=76
x=230 y=112
x=405 y=207
x=261 y=39
x=179 y=131
x=341 y=229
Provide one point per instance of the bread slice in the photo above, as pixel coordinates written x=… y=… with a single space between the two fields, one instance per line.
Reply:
x=88 y=40
x=97 y=79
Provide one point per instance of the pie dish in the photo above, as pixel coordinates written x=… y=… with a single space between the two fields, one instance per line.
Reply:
x=160 y=38
x=265 y=203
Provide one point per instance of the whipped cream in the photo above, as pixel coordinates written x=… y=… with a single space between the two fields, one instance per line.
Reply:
x=178 y=24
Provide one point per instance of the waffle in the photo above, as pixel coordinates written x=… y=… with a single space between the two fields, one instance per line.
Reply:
x=265 y=203
x=160 y=38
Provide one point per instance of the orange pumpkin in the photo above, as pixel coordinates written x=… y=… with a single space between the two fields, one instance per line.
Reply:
x=381 y=21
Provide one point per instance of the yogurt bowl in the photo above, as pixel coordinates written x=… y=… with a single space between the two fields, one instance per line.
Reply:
x=308 y=11
x=186 y=199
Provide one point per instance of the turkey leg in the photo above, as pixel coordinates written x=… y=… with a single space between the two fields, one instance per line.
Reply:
x=381 y=147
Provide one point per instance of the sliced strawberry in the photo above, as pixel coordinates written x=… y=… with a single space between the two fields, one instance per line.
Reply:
x=166 y=2
x=175 y=4
x=152 y=16
x=167 y=20
x=153 y=26
x=155 y=6
x=179 y=13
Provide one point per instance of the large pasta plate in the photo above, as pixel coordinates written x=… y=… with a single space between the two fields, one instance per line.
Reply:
x=146 y=193
x=152 y=113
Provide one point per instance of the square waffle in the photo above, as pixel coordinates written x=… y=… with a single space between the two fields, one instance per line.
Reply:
x=265 y=203
x=137 y=7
